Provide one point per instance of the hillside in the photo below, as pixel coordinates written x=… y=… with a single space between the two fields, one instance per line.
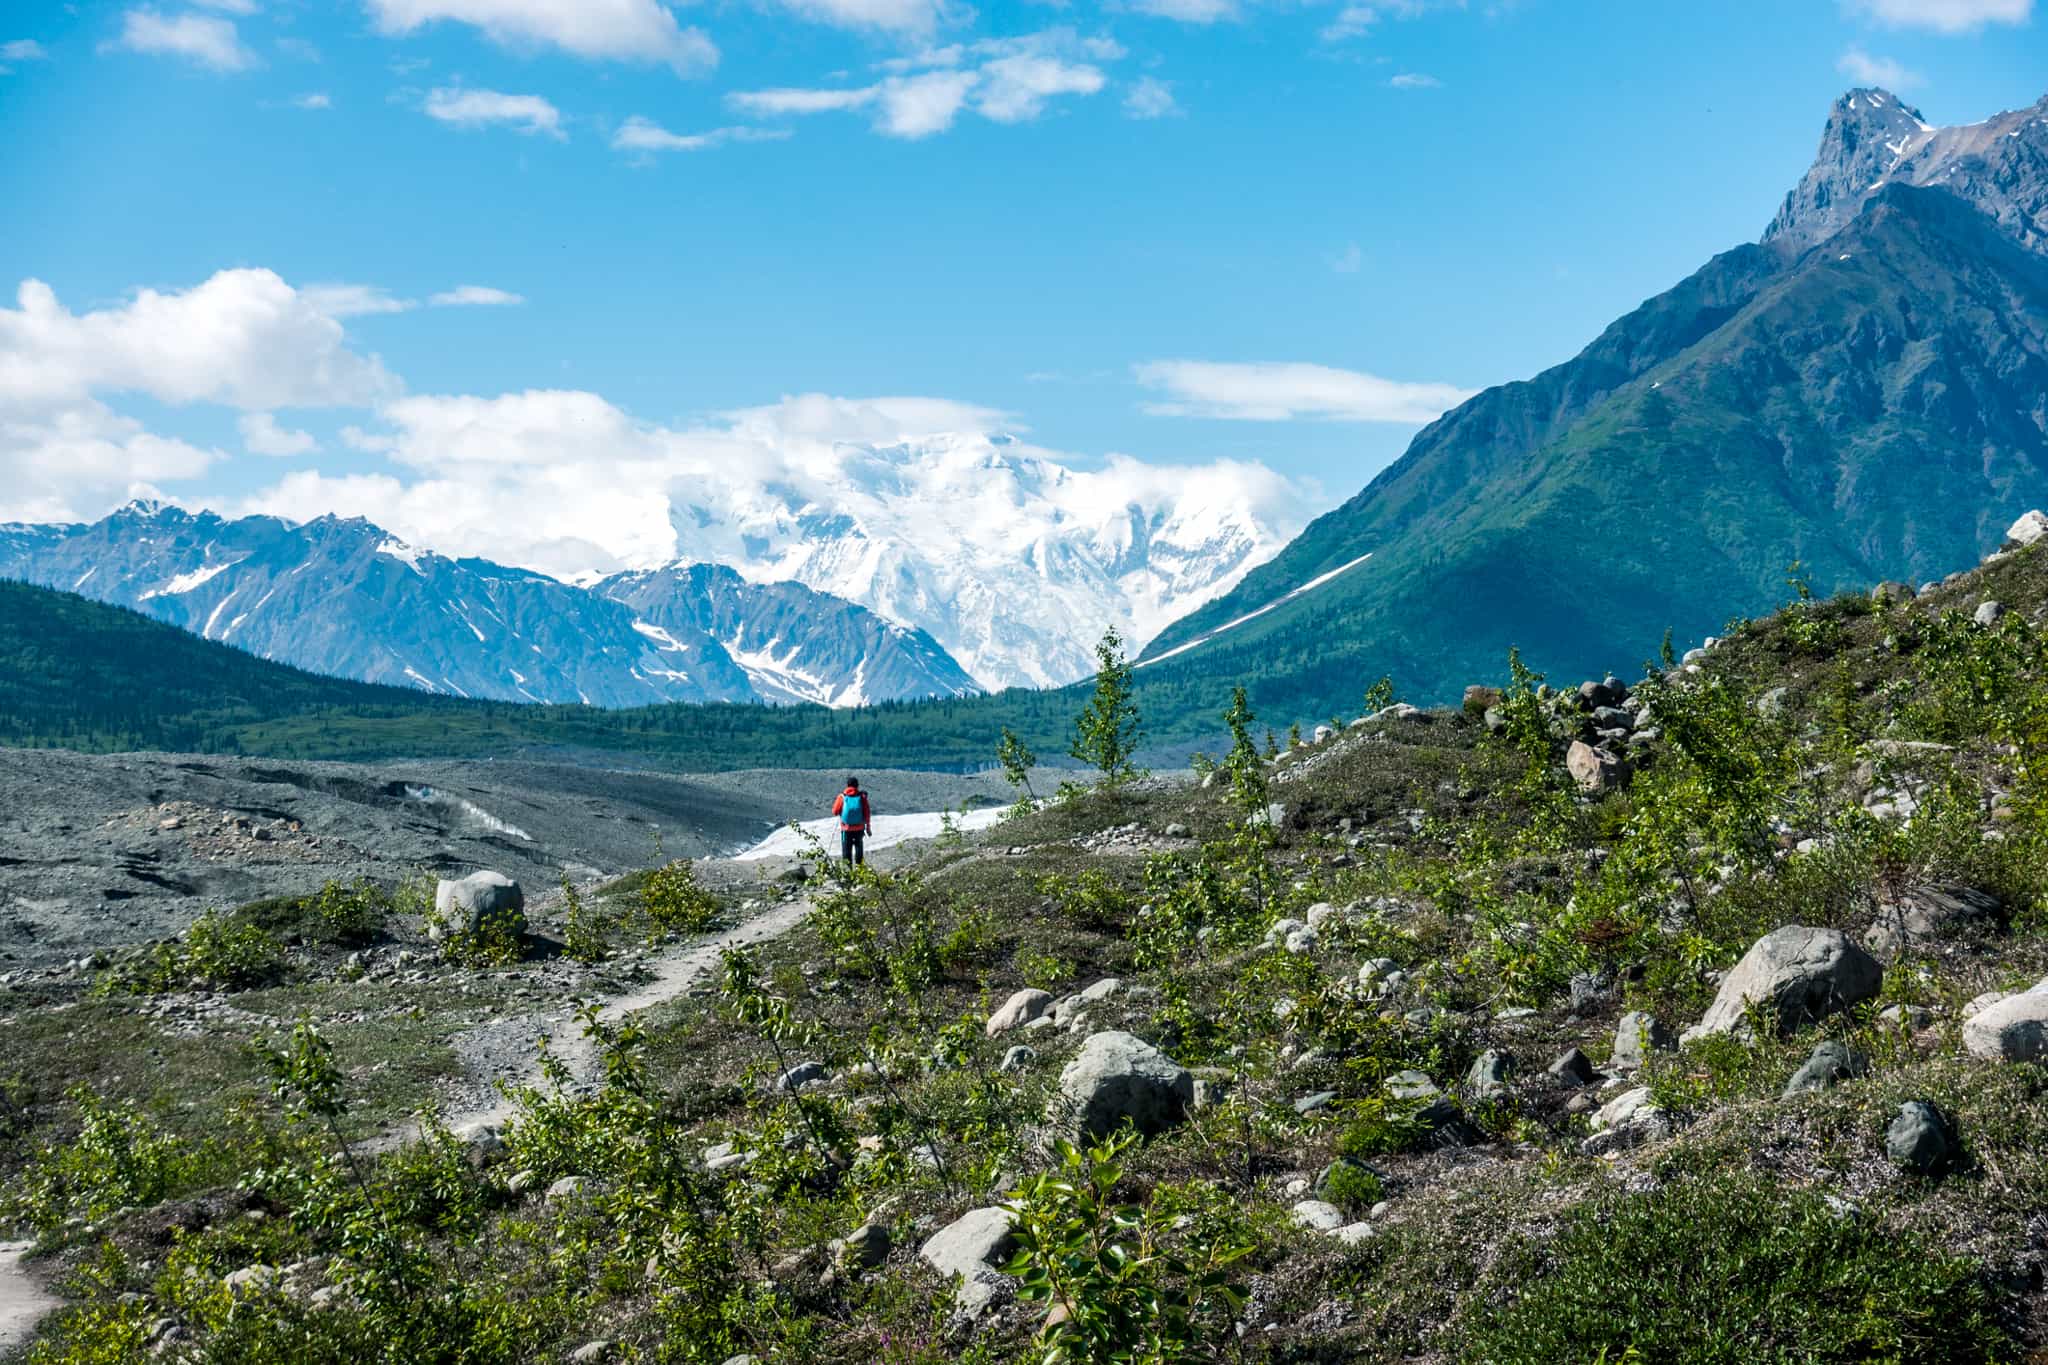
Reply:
x=1868 y=406
x=1697 y=1018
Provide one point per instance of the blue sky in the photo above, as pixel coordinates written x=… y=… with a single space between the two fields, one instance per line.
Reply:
x=1182 y=230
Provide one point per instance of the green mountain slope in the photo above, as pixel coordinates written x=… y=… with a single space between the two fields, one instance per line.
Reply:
x=1872 y=408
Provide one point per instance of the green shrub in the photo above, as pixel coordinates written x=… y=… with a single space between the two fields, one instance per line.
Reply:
x=1116 y=1281
x=121 y=1158
x=347 y=913
x=1705 y=1271
x=1352 y=1186
x=216 y=953
x=675 y=901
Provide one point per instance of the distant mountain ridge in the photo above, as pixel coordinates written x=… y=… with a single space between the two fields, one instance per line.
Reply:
x=1011 y=560
x=1865 y=391
x=345 y=598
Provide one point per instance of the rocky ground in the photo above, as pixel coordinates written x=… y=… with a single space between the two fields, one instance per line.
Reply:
x=97 y=851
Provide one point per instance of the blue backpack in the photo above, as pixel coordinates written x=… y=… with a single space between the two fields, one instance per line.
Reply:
x=853 y=810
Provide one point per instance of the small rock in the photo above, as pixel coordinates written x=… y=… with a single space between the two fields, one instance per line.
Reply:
x=1314 y=1214
x=1179 y=831
x=1488 y=1077
x=1572 y=1067
x=1914 y=1017
x=1830 y=1063
x=1988 y=611
x=1018 y=1010
x=1017 y=1058
x=1636 y=1037
x=568 y=1187
x=1310 y=1104
x=971 y=1247
x=801 y=1075
x=1920 y=1138
x=590 y=1352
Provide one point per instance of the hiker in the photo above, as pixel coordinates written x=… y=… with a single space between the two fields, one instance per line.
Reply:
x=856 y=812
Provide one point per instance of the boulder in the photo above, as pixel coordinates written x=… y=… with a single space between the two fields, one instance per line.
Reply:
x=1796 y=976
x=1488 y=1077
x=1572 y=1068
x=971 y=1247
x=1988 y=611
x=1595 y=770
x=1920 y=1138
x=471 y=904
x=1480 y=699
x=1636 y=1037
x=1928 y=914
x=1627 y=1121
x=2014 y=1029
x=2029 y=528
x=1890 y=592
x=1116 y=1078
x=801 y=1075
x=1830 y=1063
x=866 y=1247
x=1017 y=1058
x=1019 y=1010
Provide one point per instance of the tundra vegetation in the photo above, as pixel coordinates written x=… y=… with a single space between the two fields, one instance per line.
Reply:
x=1687 y=1020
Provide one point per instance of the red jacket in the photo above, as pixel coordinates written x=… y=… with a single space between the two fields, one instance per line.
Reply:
x=867 y=809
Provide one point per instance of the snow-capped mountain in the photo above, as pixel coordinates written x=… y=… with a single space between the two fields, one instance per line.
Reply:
x=345 y=598
x=1998 y=166
x=1013 y=562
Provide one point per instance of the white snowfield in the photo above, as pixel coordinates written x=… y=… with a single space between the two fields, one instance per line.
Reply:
x=888 y=829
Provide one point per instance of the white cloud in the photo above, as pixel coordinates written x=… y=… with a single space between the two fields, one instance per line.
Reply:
x=1353 y=21
x=1150 y=97
x=75 y=461
x=638 y=134
x=1864 y=69
x=211 y=42
x=23 y=50
x=299 y=49
x=474 y=296
x=243 y=7
x=354 y=300
x=890 y=16
x=319 y=99
x=1414 y=80
x=244 y=338
x=617 y=30
x=263 y=436
x=1005 y=80
x=1349 y=260
x=1278 y=391
x=1943 y=16
x=1188 y=11
x=528 y=114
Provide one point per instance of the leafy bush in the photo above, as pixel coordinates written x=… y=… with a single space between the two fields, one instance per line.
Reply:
x=675 y=901
x=217 y=952
x=1115 y=1281
x=1725 y=1269
x=347 y=913
x=120 y=1158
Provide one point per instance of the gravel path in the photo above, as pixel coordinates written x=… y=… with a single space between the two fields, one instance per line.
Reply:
x=23 y=1300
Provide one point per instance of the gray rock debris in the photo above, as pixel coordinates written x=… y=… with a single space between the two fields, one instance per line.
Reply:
x=971 y=1247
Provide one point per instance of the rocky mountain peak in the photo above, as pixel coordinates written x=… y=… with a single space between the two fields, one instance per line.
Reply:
x=1873 y=139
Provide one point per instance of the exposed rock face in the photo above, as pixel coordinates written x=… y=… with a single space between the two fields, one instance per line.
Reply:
x=1796 y=976
x=1873 y=139
x=1116 y=1078
x=471 y=904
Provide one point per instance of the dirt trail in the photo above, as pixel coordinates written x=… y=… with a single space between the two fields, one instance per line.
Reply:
x=488 y=1046
x=23 y=1300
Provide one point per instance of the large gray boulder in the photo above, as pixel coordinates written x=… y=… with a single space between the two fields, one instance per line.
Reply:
x=2014 y=1029
x=971 y=1247
x=1796 y=976
x=467 y=905
x=1929 y=914
x=1920 y=1138
x=1118 y=1077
